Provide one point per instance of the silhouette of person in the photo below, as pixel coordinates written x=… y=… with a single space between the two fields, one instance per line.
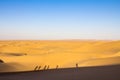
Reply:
x=45 y=67
x=57 y=67
x=39 y=67
x=48 y=67
x=36 y=68
x=76 y=65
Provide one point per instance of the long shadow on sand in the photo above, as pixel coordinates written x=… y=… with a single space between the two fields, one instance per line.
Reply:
x=111 y=72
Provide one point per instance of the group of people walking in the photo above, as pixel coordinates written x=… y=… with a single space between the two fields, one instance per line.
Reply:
x=39 y=67
x=46 y=67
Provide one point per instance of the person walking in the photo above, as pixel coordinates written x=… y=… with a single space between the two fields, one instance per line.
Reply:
x=76 y=65
x=39 y=67
x=35 y=68
x=45 y=67
x=57 y=67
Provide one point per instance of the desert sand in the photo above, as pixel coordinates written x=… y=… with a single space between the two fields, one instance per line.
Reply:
x=20 y=55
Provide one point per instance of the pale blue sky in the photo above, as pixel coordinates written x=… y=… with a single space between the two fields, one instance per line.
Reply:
x=59 y=19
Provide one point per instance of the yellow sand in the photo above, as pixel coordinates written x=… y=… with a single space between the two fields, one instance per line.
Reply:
x=25 y=55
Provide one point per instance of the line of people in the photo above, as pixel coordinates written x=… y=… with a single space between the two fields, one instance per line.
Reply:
x=46 y=67
x=39 y=67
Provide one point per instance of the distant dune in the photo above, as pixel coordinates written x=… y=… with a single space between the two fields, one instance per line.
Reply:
x=64 y=53
x=101 y=61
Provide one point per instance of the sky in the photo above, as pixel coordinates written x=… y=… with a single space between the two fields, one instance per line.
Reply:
x=59 y=19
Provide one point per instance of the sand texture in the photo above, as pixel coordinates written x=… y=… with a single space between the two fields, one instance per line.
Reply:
x=26 y=55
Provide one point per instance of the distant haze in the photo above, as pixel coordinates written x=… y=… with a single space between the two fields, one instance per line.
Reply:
x=59 y=19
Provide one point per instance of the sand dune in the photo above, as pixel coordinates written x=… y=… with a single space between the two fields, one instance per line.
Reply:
x=65 y=53
x=101 y=61
x=11 y=67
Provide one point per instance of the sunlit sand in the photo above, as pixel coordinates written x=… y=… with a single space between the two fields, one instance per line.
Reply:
x=26 y=55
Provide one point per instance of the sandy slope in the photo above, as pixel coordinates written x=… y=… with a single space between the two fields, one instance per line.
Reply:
x=65 y=53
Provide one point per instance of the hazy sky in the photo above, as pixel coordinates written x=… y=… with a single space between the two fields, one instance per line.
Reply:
x=60 y=19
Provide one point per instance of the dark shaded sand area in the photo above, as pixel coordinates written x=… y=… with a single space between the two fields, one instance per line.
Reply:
x=111 y=72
